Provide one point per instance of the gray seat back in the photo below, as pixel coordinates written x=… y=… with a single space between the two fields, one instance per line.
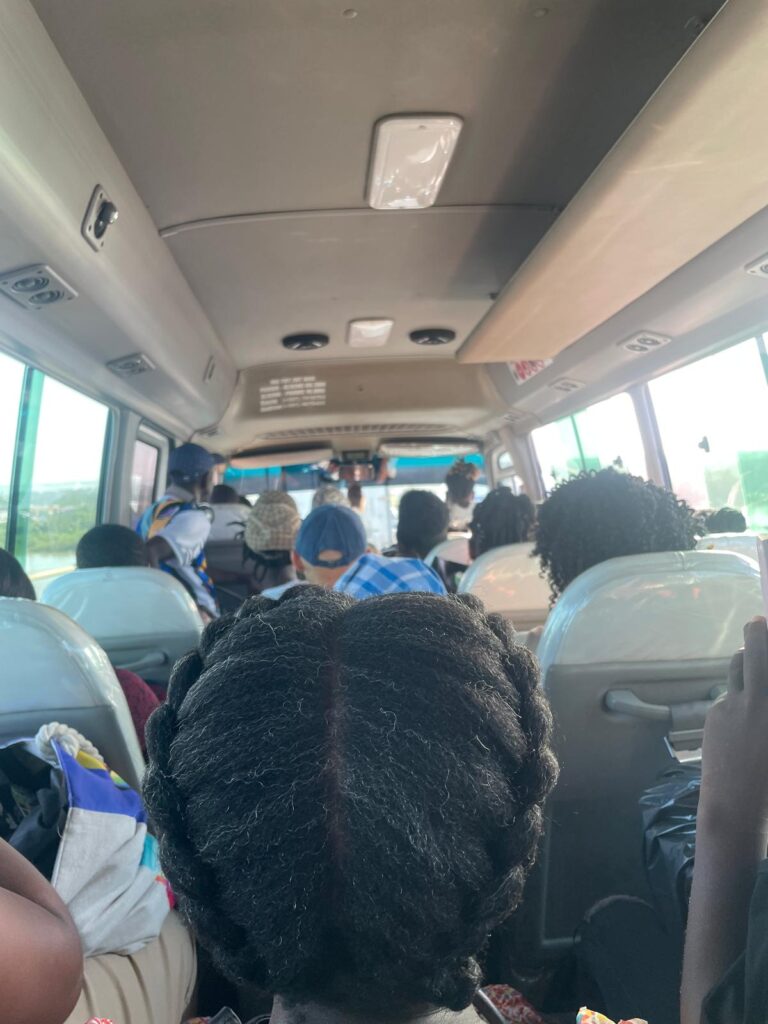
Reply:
x=507 y=580
x=632 y=655
x=143 y=618
x=53 y=671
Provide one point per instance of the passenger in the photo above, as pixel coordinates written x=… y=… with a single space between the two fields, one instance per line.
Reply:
x=596 y=516
x=501 y=518
x=328 y=494
x=177 y=526
x=422 y=524
x=41 y=970
x=223 y=494
x=270 y=532
x=110 y=546
x=374 y=575
x=330 y=540
x=394 y=815
x=460 y=485
x=726 y=520
x=14 y=582
x=356 y=498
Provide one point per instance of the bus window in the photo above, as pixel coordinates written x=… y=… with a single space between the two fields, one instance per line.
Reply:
x=610 y=436
x=714 y=431
x=602 y=435
x=558 y=452
x=143 y=476
x=11 y=384
x=61 y=466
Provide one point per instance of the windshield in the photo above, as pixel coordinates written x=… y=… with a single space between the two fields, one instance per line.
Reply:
x=381 y=499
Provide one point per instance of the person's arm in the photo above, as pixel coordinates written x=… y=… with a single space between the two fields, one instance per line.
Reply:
x=732 y=823
x=41 y=959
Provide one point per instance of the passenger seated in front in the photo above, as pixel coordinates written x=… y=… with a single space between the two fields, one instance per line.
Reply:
x=110 y=546
x=596 y=516
x=331 y=539
x=460 y=497
x=41 y=959
x=726 y=520
x=501 y=518
x=14 y=582
x=422 y=524
x=399 y=803
x=270 y=533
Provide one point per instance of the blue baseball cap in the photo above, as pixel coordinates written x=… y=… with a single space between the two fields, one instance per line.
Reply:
x=331 y=528
x=191 y=461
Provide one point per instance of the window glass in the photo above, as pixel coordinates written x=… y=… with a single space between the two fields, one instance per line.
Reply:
x=610 y=436
x=557 y=449
x=143 y=477
x=59 y=501
x=11 y=383
x=714 y=430
x=505 y=460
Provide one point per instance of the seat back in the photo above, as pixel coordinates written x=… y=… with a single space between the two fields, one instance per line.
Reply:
x=507 y=581
x=228 y=523
x=455 y=549
x=739 y=543
x=228 y=571
x=144 y=619
x=631 y=657
x=53 y=671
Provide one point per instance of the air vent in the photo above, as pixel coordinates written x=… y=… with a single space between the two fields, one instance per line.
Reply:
x=305 y=342
x=759 y=267
x=361 y=428
x=131 y=366
x=566 y=385
x=645 y=341
x=36 y=287
x=432 y=336
x=515 y=415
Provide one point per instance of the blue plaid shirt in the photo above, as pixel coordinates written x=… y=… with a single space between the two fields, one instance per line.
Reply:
x=372 y=575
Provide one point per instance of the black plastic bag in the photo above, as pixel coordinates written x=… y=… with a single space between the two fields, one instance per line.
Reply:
x=669 y=825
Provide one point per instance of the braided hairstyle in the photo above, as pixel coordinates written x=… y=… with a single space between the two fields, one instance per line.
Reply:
x=600 y=515
x=348 y=795
x=501 y=518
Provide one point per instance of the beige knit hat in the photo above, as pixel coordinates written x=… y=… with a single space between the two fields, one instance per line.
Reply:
x=273 y=522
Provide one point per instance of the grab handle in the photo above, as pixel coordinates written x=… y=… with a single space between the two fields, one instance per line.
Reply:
x=625 y=702
x=154 y=659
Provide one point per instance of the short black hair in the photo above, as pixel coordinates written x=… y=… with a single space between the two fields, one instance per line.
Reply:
x=223 y=494
x=14 y=582
x=110 y=546
x=501 y=518
x=422 y=523
x=726 y=520
x=595 y=516
x=348 y=794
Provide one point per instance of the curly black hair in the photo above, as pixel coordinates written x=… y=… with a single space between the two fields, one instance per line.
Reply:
x=501 y=518
x=348 y=795
x=422 y=523
x=606 y=514
x=726 y=520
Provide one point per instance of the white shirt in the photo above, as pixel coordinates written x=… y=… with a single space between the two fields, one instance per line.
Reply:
x=186 y=533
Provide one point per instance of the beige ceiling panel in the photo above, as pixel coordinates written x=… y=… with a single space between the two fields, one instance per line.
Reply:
x=690 y=169
x=264 y=277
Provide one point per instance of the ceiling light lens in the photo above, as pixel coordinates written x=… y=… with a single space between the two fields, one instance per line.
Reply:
x=369 y=333
x=410 y=159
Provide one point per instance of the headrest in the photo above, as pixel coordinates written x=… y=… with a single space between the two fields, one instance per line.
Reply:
x=228 y=522
x=667 y=606
x=507 y=578
x=740 y=543
x=120 y=603
x=46 y=654
x=455 y=549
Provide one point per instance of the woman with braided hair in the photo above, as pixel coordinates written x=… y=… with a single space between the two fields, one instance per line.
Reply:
x=348 y=797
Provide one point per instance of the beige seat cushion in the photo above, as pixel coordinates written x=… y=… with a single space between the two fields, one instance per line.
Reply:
x=154 y=986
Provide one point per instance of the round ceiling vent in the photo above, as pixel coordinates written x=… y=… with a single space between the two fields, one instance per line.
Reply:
x=433 y=336
x=33 y=283
x=305 y=342
x=46 y=298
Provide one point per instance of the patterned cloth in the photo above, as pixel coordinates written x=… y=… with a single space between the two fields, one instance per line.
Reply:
x=512 y=1005
x=372 y=575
